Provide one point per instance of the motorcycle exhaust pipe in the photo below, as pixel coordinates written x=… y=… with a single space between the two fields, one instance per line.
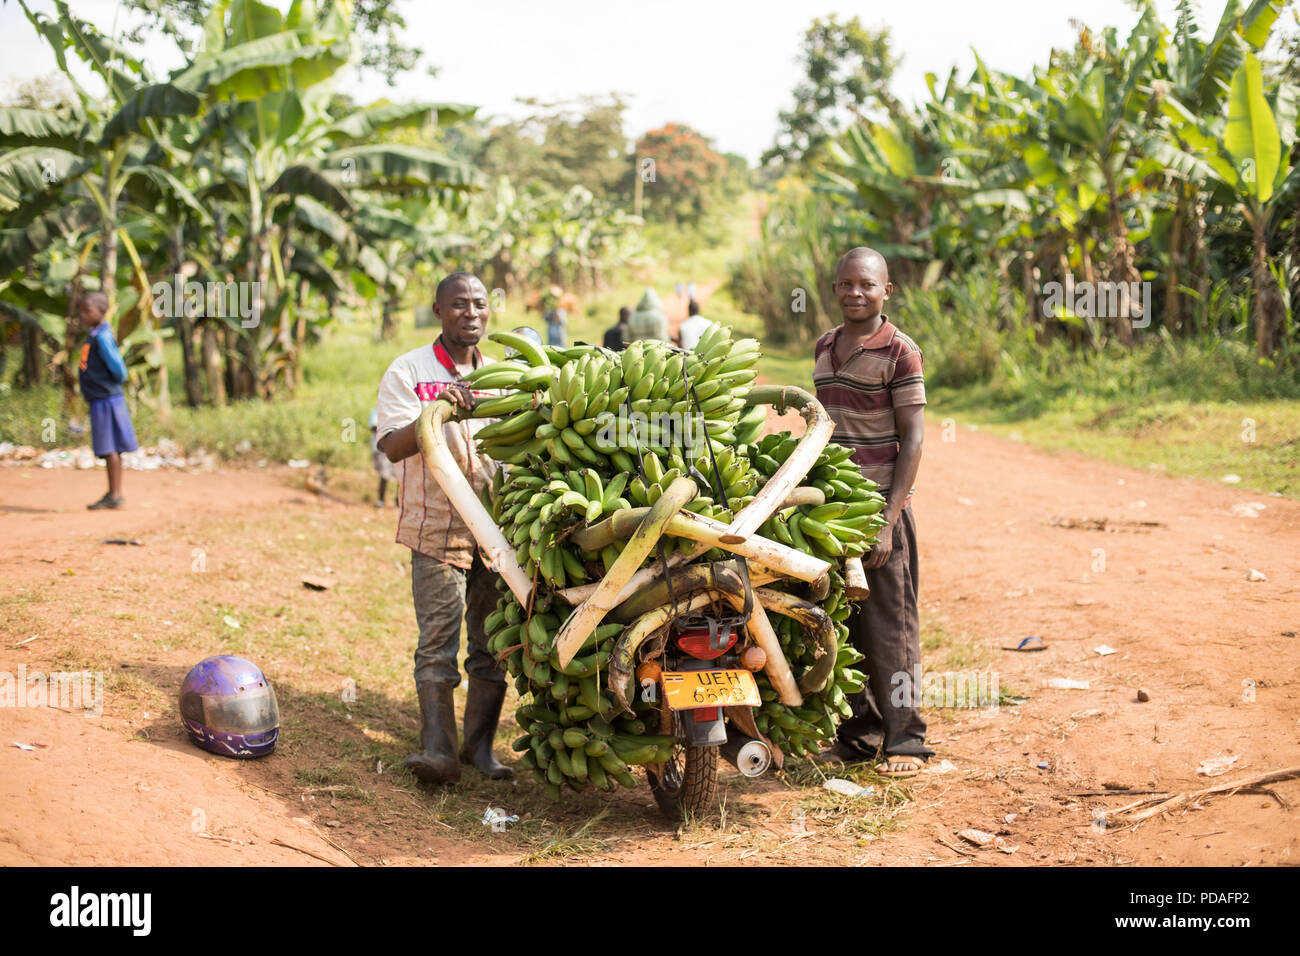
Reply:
x=751 y=757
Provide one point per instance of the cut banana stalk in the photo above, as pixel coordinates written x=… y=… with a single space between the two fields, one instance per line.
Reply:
x=501 y=556
x=585 y=617
x=855 y=580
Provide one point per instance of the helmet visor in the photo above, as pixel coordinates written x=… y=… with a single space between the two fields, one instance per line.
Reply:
x=255 y=712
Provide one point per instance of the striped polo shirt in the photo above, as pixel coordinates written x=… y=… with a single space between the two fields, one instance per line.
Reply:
x=861 y=394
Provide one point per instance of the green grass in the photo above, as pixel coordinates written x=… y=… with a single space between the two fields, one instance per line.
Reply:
x=1258 y=441
x=568 y=843
x=943 y=651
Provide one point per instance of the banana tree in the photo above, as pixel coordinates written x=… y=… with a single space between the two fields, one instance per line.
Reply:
x=273 y=137
x=1197 y=74
x=894 y=174
x=1100 y=119
x=1013 y=206
x=67 y=173
x=1247 y=155
x=393 y=235
x=537 y=236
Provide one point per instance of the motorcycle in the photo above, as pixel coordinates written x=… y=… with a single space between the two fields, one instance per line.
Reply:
x=701 y=631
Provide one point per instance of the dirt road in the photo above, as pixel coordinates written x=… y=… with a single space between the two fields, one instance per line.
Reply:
x=1014 y=542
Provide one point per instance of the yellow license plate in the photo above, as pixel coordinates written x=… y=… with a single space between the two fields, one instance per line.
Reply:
x=686 y=690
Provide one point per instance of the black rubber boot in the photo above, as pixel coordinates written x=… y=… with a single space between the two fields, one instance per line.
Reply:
x=482 y=712
x=437 y=735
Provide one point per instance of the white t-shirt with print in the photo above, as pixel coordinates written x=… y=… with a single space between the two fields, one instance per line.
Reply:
x=426 y=520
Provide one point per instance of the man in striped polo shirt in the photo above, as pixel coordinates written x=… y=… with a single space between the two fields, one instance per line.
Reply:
x=869 y=379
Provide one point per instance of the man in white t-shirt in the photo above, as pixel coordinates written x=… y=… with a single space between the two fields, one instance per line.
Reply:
x=692 y=328
x=449 y=581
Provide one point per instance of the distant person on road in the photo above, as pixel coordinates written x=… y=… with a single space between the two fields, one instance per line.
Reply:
x=869 y=379
x=648 y=320
x=690 y=331
x=449 y=582
x=556 y=318
x=383 y=467
x=616 y=338
x=101 y=373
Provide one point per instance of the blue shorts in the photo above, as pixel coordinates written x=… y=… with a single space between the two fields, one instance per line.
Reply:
x=110 y=426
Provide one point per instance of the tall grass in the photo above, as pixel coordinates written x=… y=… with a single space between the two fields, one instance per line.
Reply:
x=979 y=346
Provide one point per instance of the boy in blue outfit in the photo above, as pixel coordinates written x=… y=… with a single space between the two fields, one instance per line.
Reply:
x=101 y=373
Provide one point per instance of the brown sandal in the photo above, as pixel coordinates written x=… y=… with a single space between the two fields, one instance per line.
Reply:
x=900 y=765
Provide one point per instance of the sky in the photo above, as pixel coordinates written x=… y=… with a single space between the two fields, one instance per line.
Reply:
x=725 y=68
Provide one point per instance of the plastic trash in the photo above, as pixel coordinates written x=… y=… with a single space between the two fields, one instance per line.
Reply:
x=1066 y=683
x=1105 y=650
x=1216 y=766
x=496 y=818
x=977 y=837
x=1031 y=643
x=847 y=788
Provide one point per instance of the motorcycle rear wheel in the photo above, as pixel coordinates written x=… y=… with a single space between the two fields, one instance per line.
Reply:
x=686 y=784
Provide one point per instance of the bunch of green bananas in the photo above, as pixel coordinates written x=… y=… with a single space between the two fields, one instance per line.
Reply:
x=567 y=402
x=566 y=470
x=846 y=525
x=572 y=734
x=534 y=508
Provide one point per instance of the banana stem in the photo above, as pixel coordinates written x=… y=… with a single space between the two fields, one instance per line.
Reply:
x=618 y=526
x=624 y=522
x=803 y=496
x=855 y=580
x=721 y=575
x=795 y=468
x=773 y=554
x=781 y=397
x=635 y=605
x=589 y=614
x=500 y=555
x=815 y=620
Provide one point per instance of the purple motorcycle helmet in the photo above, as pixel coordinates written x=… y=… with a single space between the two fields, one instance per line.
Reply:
x=228 y=707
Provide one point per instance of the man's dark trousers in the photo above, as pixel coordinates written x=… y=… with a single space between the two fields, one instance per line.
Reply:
x=887 y=629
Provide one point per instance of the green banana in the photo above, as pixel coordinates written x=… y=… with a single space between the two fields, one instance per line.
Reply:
x=533 y=355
